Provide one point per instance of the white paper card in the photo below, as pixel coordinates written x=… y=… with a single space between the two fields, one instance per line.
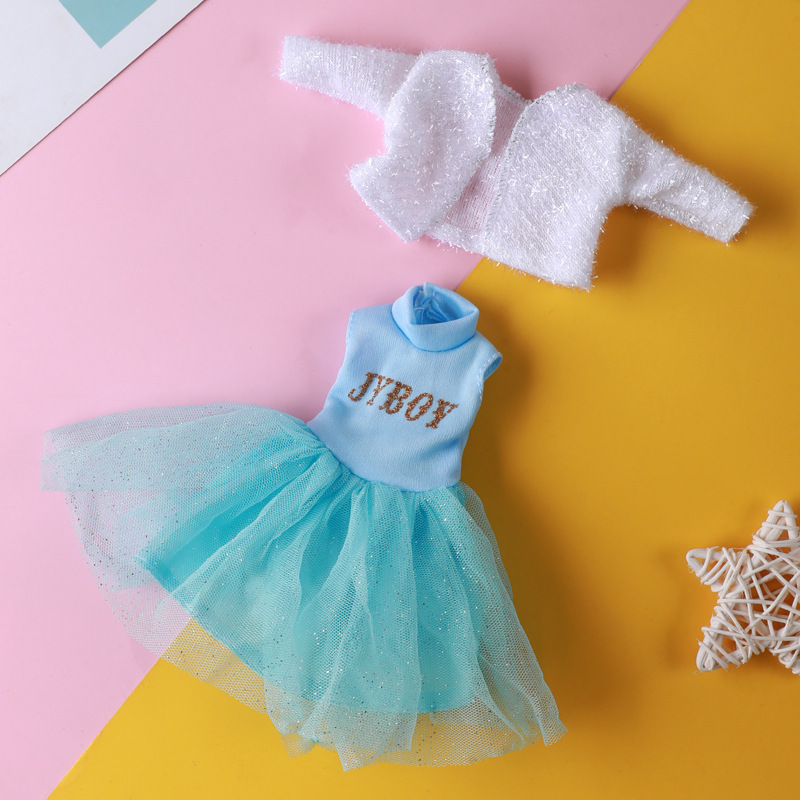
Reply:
x=55 y=54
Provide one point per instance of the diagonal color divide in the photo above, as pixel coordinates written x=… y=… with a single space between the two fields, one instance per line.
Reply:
x=104 y=19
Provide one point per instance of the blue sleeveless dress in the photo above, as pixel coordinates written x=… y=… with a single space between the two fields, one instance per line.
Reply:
x=336 y=575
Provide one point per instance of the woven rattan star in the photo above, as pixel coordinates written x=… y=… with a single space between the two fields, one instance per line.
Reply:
x=759 y=595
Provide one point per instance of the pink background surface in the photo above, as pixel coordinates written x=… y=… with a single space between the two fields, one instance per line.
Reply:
x=190 y=236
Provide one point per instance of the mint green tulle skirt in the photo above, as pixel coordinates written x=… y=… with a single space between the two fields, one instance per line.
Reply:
x=370 y=620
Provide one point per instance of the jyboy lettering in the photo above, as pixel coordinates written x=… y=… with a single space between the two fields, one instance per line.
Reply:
x=395 y=400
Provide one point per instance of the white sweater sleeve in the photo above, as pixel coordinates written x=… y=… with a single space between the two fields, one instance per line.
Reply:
x=364 y=76
x=660 y=180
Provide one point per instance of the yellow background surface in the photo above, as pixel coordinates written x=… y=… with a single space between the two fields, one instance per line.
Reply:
x=655 y=414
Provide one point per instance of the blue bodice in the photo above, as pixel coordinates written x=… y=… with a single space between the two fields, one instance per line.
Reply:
x=408 y=391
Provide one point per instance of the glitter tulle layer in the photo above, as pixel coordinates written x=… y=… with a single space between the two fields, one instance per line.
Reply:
x=367 y=619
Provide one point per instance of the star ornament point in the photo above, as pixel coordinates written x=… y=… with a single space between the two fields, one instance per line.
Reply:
x=758 y=587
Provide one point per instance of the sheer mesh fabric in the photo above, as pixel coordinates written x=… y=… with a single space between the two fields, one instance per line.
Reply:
x=369 y=620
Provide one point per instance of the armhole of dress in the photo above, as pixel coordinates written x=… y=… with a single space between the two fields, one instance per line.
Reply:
x=488 y=365
x=492 y=364
x=355 y=325
x=348 y=334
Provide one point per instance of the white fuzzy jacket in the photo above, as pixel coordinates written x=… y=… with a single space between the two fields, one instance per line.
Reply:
x=470 y=162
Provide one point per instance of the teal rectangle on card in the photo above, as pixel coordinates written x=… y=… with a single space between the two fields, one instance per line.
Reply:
x=104 y=19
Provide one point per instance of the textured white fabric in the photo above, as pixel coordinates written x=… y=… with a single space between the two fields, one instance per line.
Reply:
x=430 y=142
x=471 y=163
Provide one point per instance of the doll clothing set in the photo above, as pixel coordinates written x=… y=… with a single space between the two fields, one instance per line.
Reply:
x=341 y=567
